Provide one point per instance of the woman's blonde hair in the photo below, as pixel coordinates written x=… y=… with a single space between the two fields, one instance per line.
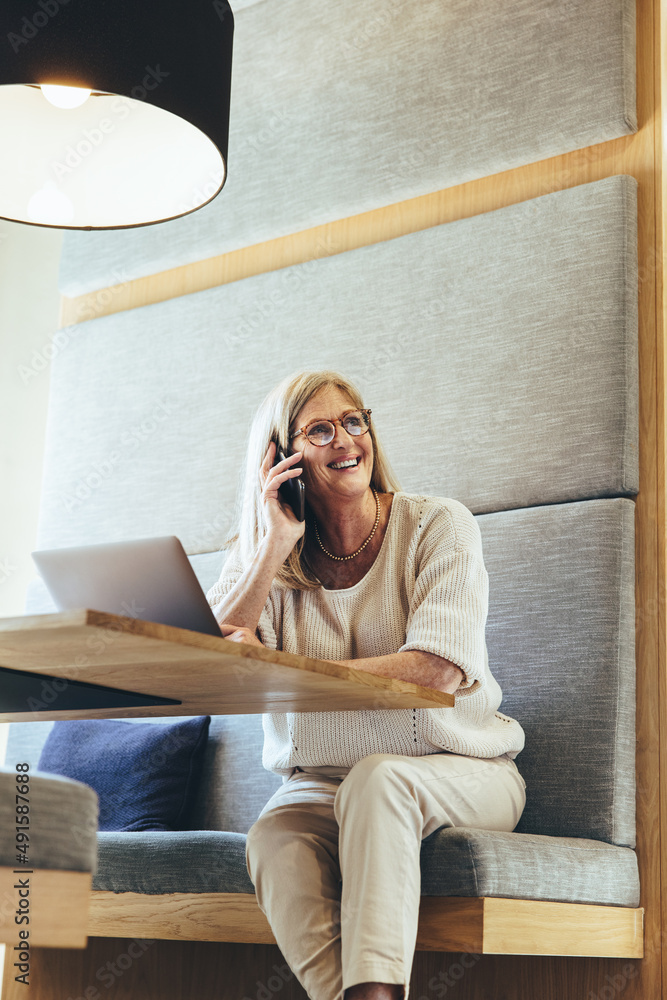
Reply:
x=272 y=421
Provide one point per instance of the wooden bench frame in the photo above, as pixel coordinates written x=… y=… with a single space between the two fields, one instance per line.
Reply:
x=65 y=911
x=482 y=925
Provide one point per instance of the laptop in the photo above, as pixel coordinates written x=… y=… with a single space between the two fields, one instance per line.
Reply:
x=149 y=578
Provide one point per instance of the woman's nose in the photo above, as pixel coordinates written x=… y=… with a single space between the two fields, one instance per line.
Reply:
x=341 y=436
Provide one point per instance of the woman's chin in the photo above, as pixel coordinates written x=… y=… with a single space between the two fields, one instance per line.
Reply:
x=354 y=485
x=350 y=486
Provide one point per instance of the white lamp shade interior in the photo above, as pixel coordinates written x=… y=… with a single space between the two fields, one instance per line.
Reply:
x=113 y=161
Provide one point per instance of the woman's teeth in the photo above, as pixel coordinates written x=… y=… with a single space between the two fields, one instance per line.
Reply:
x=345 y=465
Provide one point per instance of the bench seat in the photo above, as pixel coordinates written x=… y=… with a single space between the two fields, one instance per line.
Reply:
x=455 y=862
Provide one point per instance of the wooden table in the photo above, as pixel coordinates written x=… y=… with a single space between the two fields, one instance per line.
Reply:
x=91 y=665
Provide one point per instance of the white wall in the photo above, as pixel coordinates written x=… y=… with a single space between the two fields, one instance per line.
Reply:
x=29 y=304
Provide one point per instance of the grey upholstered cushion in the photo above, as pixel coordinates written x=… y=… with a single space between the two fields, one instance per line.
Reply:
x=25 y=742
x=560 y=635
x=207 y=566
x=161 y=861
x=343 y=107
x=38 y=601
x=238 y=786
x=454 y=862
x=62 y=821
x=518 y=327
x=466 y=862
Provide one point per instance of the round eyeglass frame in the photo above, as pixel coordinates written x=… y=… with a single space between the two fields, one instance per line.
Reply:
x=337 y=420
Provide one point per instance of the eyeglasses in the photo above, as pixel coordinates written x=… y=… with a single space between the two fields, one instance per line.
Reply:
x=322 y=432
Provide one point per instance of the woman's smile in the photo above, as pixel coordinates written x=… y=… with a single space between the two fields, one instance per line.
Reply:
x=347 y=466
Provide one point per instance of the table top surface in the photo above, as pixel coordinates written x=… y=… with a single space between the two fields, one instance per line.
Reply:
x=87 y=664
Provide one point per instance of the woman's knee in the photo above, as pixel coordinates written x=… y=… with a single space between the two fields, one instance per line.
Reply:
x=289 y=830
x=266 y=837
x=266 y=833
x=370 y=779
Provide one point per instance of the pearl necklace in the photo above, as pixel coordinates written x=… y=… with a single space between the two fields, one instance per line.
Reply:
x=344 y=558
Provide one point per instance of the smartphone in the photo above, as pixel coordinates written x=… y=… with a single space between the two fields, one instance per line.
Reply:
x=292 y=491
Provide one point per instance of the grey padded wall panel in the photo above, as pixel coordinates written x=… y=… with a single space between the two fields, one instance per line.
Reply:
x=339 y=108
x=517 y=328
x=560 y=635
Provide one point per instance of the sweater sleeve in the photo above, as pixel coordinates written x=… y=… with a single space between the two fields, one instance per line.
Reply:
x=231 y=573
x=449 y=603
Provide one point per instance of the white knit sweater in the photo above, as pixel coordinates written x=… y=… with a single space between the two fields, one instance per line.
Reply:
x=428 y=590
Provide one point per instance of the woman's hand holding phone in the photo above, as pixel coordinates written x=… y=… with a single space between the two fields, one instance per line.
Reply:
x=282 y=523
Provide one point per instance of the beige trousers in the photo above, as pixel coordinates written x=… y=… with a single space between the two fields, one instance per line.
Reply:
x=335 y=858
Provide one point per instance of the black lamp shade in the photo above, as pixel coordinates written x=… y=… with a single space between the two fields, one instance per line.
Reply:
x=148 y=144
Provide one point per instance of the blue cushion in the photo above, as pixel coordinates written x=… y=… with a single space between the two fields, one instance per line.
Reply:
x=146 y=776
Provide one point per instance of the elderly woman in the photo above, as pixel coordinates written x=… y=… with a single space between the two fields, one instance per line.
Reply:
x=394 y=584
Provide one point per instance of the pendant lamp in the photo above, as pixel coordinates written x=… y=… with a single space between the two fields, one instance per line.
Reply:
x=113 y=113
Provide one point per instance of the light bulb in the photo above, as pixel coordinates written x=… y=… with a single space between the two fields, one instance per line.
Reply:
x=65 y=97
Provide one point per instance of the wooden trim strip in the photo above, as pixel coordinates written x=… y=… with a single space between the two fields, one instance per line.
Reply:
x=446 y=924
x=626 y=155
x=652 y=593
x=179 y=916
